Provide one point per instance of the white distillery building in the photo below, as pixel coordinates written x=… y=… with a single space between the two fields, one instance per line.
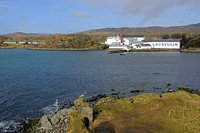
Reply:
x=121 y=42
x=125 y=40
x=164 y=43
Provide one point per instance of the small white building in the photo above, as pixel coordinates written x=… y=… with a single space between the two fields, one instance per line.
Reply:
x=9 y=42
x=22 y=42
x=114 y=40
x=35 y=43
x=164 y=43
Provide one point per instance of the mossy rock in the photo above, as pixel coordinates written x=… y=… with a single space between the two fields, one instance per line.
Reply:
x=81 y=102
x=76 y=123
x=106 y=101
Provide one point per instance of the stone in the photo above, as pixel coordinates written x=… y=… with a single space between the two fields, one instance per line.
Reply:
x=169 y=84
x=55 y=120
x=84 y=108
x=45 y=123
x=80 y=102
x=87 y=112
x=137 y=91
x=107 y=100
x=92 y=99
x=62 y=114
x=96 y=98
x=115 y=93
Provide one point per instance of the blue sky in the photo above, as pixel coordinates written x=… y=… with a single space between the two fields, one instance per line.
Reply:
x=69 y=16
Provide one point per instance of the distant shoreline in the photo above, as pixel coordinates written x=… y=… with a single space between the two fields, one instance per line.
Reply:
x=53 y=49
x=196 y=50
x=192 y=50
x=62 y=49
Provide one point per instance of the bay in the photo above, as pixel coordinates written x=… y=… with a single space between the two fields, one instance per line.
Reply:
x=31 y=80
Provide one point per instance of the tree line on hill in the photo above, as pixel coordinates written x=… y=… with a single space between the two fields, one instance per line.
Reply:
x=66 y=41
x=75 y=41
x=83 y=41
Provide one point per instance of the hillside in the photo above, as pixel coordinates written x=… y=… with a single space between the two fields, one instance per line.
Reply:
x=147 y=31
x=18 y=35
x=93 y=39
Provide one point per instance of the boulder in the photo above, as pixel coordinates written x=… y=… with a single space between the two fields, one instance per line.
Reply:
x=87 y=112
x=80 y=102
x=55 y=120
x=62 y=114
x=45 y=123
x=84 y=108
x=107 y=100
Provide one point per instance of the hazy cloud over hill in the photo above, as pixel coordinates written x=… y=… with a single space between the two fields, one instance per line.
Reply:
x=82 y=15
x=148 y=8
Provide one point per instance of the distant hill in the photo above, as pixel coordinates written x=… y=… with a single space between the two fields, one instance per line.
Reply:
x=19 y=35
x=148 y=31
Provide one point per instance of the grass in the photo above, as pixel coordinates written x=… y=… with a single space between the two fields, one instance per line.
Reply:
x=174 y=112
x=76 y=124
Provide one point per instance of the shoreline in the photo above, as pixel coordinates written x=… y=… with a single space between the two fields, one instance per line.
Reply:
x=88 y=117
x=195 y=50
x=59 y=121
x=190 y=50
x=156 y=50
x=53 y=49
x=62 y=49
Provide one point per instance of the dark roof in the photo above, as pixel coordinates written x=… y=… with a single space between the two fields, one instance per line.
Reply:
x=133 y=35
x=164 y=40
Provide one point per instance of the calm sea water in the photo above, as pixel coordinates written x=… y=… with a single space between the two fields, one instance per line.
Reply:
x=32 y=80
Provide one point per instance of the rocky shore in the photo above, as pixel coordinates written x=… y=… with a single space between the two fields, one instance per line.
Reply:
x=191 y=50
x=172 y=112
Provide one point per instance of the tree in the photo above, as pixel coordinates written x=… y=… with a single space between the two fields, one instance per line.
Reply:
x=2 y=39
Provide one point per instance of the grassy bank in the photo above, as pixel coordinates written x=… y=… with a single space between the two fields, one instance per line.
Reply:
x=176 y=112
x=173 y=112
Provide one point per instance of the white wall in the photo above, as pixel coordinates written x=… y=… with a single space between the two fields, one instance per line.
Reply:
x=112 y=40
x=140 y=39
x=120 y=47
x=164 y=45
x=126 y=40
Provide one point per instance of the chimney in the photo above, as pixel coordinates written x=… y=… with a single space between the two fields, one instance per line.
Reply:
x=121 y=37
